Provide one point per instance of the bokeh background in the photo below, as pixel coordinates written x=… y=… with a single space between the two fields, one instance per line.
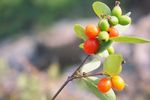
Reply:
x=39 y=49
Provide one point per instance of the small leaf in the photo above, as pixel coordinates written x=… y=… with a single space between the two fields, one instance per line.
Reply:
x=104 y=54
x=129 y=39
x=81 y=45
x=104 y=46
x=91 y=66
x=92 y=86
x=80 y=31
x=128 y=14
x=121 y=28
x=101 y=8
x=112 y=64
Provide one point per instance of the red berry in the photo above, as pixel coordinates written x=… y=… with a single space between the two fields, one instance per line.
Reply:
x=92 y=31
x=104 y=85
x=91 y=46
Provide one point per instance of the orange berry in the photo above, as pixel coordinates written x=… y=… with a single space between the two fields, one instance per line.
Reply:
x=117 y=83
x=92 y=31
x=113 y=32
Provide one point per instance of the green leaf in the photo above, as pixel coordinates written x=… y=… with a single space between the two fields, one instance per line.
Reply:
x=104 y=54
x=128 y=14
x=104 y=46
x=129 y=39
x=112 y=64
x=101 y=8
x=92 y=86
x=91 y=66
x=80 y=31
x=81 y=45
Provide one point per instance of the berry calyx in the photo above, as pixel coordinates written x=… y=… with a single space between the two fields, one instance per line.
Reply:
x=117 y=83
x=103 y=24
x=117 y=11
x=92 y=31
x=104 y=85
x=113 y=32
x=113 y=20
x=103 y=36
x=91 y=46
x=124 y=20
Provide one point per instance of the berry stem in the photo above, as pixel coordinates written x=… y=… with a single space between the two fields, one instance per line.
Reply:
x=70 y=78
x=117 y=3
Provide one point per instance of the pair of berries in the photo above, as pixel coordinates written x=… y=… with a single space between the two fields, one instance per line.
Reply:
x=105 y=84
x=96 y=35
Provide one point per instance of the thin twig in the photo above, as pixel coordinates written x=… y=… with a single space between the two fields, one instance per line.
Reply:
x=65 y=83
x=70 y=78
x=89 y=75
x=80 y=65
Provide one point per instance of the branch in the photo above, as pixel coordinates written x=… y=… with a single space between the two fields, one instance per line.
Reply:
x=89 y=75
x=70 y=78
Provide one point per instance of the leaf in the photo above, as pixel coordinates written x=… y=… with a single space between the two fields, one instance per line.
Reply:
x=129 y=39
x=104 y=54
x=128 y=14
x=91 y=66
x=80 y=31
x=101 y=8
x=81 y=45
x=104 y=46
x=121 y=28
x=92 y=86
x=112 y=64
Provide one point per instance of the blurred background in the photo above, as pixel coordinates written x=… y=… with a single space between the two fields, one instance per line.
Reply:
x=39 y=49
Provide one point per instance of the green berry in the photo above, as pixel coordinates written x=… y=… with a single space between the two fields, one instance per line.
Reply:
x=110 y=50
x=113 y=20
x=124 y=20
x=117 y=11
x=104 y=25
x=104 y=36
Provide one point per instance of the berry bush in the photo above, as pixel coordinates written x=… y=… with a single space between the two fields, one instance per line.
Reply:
x=98 y=42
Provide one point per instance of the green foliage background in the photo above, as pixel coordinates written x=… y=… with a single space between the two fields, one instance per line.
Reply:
x=19 y=15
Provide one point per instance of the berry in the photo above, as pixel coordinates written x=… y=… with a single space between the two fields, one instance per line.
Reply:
x=91 y=46
x=103 y=36
x=92 y=31
x=117 y=11
x=124 y=20
x=113 y=32
x=113 y=20
x=104 y=85
x=104 y=25
x=117 y=83
x=111 y=50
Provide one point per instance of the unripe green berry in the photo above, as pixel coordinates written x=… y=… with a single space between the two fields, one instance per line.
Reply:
x=113 y=20
x=117 y=11
x=111 y=50
x=124 y=20
x=104 y=25
x=104 y=36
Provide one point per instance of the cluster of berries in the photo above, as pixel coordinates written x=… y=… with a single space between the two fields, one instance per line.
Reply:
x=105 y=30
x=115 y=82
